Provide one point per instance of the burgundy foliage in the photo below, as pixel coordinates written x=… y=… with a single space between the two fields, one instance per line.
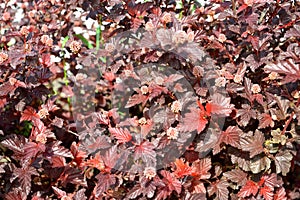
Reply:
x=227 y=127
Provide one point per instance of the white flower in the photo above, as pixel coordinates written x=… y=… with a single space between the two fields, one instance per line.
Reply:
x=150 y=172
x=172 y=133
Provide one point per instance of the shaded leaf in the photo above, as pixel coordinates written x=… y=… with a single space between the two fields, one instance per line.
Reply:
x=236 y=176
x=24 y=176
x=220 y=189
x=146 y=152
x=259 y=164
x=105 y=181
x=231 y=136
x=283 y=162
x=242 y=162
x=253 y=143
x=194 y=120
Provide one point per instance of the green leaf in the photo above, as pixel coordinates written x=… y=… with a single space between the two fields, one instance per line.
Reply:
x=65 y=40
x=98 y=37
x=85 y=41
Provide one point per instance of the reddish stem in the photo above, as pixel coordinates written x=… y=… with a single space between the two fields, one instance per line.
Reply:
x=290 y=119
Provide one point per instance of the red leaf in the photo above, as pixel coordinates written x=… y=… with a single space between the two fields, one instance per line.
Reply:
x=50 y=106
x=58 y=161
x=2 y=102
x=220 y=105
x=201 y=168
x=61 y=150
x=280 y=194
x=96 y=162
x=171 y=182
x=72 y=175
x=111 y=158
x=45 y=59
x=271 y=181
x=182 y=169
x=29 y=114
x=122 y=135
x=249 y=188
x=15 y=143
x=60 y=193
x=265 y=120
x=78 y=155
x=266 y=192
x=136 y=99
x=194 y=120
x=241 y=8
x=7 y=88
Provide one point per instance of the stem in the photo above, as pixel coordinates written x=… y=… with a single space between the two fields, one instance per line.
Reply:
x=234 y=7
x=290 y=119
x=99 y=33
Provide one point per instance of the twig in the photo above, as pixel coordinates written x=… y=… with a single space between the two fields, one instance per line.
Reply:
x=290 y=119
x=234 y=7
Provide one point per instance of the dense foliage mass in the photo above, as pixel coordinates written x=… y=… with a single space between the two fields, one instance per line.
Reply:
x=213 y=110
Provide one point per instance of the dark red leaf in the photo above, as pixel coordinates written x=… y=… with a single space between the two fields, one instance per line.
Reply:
x=286 y=67
x=236 y=176
x=31 y=149
x=232 y=136
x=59 y=150
x=245 y=114
x=220 y=189
x=24 y=176
x=253 y=143
x=105 y=181
x=146 y=152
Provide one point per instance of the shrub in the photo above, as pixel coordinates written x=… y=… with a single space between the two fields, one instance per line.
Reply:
x=158 y=100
